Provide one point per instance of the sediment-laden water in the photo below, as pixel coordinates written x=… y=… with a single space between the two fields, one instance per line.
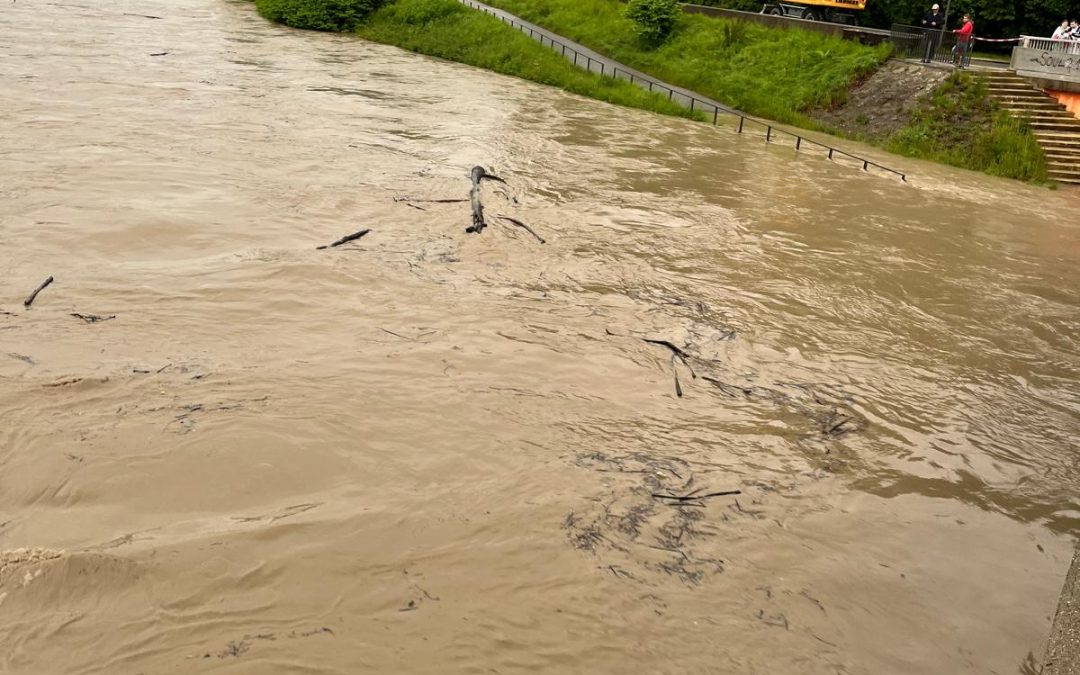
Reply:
x=428 y=451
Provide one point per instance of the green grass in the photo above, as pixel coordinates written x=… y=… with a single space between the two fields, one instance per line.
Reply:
x=449 y=30
x=958 y=124
x=764 y=71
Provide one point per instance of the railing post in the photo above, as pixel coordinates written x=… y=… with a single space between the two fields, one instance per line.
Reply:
x=768 y=133
x=575 y=58
x=650 y=85
x=798 y=142
x=670 y=93
x=865 y=164
x=715 y=114
x=830 y=153
x=692 y=99
x=588 y=66
x=741 y=120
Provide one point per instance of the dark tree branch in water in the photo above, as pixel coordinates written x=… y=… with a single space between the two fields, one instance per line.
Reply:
x=92 y=318
x=478 y=174
x=693 y=496
x=528 y=229
x=344 y=240
x=405 y=198
x=676 y=353
x=33 y=296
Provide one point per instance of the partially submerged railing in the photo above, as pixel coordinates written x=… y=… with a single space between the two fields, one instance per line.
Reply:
x=682 y=97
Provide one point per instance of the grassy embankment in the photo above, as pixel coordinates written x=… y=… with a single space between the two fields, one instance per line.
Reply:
x=782 y=74
x=773 y=73
x=960 y=125
x=778 y=74
x=449 y=30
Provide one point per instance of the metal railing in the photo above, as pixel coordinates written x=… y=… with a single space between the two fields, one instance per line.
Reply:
x=681 y=97
x=930 y=44
x=1050 y=44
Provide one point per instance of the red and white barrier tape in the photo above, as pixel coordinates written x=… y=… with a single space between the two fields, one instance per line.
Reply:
x=1016 y=39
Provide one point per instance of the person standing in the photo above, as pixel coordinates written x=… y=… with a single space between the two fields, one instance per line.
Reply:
x=1062 y=31
x=964 y=38
x=934 y=23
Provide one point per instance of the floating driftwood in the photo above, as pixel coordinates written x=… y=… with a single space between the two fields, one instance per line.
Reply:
x=92 y=318
x=676 y=353
x=405 y=198
x=33 y=296
x=693 y=496
x=344 y=240
x=528 y=229
x=477 y=175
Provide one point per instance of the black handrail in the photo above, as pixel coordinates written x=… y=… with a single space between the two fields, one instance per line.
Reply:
x=641 y=80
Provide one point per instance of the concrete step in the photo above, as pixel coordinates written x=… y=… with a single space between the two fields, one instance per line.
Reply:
x=1032 y=113
x=1055 y=145
x=1063 y=177
x=1059 y=155
x=1071 y=124
x=1032 y=104
x=1026 y=92
x=1023 y=99
x=1057 y=135
x=1049 y=115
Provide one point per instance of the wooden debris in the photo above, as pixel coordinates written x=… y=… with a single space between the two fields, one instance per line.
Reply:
x=344 y=240
x=92 y=318
x=517 y=222
x=33 y=296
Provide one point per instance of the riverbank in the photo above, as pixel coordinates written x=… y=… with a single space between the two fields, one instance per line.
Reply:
x=805 y=79
x=447 y=29
x=800 y=77
x=939 y=115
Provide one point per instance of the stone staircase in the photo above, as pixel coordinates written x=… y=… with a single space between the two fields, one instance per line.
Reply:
x=1057 y=130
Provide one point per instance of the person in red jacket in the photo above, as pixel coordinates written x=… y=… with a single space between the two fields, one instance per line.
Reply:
x=964 y=38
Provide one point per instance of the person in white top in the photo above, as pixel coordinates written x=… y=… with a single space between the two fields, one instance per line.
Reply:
x=1062 y=31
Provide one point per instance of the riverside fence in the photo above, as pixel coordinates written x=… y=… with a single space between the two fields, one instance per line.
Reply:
x=604 y=67
x=930 y=44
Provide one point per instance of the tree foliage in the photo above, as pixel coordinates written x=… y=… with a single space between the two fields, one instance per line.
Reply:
x=331 y=15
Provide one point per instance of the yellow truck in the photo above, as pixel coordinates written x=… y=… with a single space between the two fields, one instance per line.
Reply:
x=835 y=11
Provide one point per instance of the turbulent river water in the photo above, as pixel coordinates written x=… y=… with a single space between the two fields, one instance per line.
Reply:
x=429 y=451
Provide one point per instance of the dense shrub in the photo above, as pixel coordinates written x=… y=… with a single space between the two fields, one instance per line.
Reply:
x=654 y=20
x=332 y=15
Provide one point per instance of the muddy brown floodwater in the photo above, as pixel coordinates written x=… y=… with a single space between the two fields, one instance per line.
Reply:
x=433 y=452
